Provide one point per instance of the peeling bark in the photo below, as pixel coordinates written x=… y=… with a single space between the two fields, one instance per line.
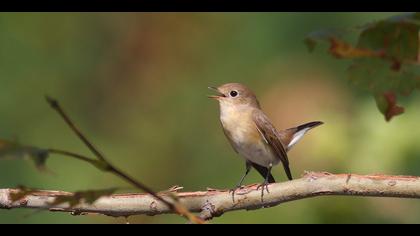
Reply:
x=213 y=203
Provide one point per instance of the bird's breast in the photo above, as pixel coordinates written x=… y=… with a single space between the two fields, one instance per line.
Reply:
x=240 y=128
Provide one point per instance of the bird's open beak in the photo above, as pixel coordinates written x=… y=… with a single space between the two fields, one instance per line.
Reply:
x=218 y=96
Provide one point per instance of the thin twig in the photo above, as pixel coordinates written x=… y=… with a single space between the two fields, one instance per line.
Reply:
x=71 y=154
x=54 y=105
x=110 y=169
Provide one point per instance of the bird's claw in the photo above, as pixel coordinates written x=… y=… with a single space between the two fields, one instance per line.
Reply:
x=262 y=186
x=233 y=190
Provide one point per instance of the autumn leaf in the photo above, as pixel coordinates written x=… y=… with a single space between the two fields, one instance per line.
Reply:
x=384 y=61
x=314 y=38
x=15 y=150
x=341 y=49
x=387 y=104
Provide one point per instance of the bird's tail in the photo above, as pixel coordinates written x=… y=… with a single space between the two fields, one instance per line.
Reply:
x=291 y=136
x=309 y=125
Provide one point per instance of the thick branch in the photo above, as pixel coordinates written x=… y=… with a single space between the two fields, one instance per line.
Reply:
x=213 y=203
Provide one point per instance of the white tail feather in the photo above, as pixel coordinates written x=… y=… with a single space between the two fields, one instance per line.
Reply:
x=297 y=136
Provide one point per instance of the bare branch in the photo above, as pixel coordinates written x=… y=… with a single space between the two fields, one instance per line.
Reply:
x=212 y=203
x=73 y=155
x=56 y=106
x=105 y=165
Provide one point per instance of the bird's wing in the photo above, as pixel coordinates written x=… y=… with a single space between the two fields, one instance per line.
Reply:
x=269 y=133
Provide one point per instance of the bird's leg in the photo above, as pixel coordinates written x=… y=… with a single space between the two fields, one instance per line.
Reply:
x=248 y=168
x=265 y=183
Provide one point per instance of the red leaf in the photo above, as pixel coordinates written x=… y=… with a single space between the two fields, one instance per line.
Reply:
x=392 y=109
x=341 y=49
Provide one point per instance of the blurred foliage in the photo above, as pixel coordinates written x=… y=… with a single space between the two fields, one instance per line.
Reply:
x=88 y=196
x=385 y=58
x=136 y=83
x=10 y=149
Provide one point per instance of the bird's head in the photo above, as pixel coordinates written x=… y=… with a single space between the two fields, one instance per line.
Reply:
x=234 y=94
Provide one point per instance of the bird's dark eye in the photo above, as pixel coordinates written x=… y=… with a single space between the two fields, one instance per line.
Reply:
x=233 y=93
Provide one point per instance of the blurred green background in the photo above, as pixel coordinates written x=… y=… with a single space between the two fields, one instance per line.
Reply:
x=136 y=83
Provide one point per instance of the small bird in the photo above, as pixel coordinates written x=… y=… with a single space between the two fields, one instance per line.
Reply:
x=252 y=135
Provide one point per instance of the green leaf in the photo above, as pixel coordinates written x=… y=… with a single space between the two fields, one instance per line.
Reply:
x=375 y=76
x=15 y=150
x=398 y=39
x=385 y=59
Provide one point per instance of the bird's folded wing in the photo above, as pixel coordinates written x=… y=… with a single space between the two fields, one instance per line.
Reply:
x=269 y=133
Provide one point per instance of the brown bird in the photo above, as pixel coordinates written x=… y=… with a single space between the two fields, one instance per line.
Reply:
x=251 y=133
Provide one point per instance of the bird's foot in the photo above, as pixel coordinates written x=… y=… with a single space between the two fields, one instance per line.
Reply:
x=233 y=190
x=262 y=186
